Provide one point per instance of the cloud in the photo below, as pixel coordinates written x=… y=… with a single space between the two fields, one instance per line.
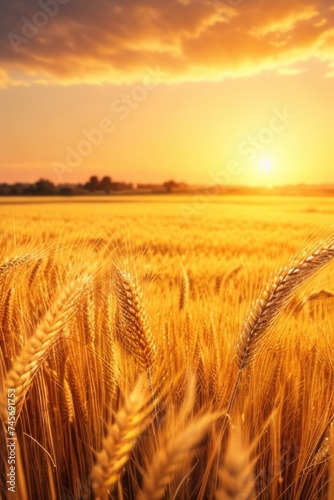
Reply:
x=80 y=41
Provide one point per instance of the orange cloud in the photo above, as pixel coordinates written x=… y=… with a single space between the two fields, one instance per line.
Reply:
x=72 y=41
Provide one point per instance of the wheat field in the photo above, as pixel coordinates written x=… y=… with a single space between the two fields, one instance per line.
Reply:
x=156 y=356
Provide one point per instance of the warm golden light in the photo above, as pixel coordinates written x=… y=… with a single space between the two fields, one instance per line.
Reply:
x=167 y=90
x=265 y=164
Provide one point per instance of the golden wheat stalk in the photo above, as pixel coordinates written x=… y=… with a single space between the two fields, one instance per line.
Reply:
x=135 y=332
x=67 y=401
x=236 y=480
x=184 y=290
x=277 y=291
x=9 y=265
x=167 y=460
x=130 y=422
x=175 y=442
x=66 y=407
x=6 y=329
x=34 y=272
x=89 y=320
x=34 y=352
x=78 y=391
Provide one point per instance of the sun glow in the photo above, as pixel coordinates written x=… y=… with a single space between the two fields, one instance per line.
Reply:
x=265 y=164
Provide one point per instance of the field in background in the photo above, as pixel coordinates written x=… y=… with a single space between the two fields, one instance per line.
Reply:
x=98 y=292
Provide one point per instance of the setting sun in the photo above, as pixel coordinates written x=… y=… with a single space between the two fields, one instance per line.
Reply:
x=265 y=164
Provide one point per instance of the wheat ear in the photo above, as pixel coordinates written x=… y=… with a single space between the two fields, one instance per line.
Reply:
x=135 y=332
x=130 y=421
x=167 y=460
x=235 y=474
x=184 y=290
x=277 y=291
x=35 y=350
x=6 y=321
x=9 y=265
x=66 y=406
x=266 y=308
x=77 y=387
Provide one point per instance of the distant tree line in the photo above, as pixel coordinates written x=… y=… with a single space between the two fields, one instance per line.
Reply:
x=106 y=185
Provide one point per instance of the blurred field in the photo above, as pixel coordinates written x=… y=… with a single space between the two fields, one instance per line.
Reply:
x=98 y=291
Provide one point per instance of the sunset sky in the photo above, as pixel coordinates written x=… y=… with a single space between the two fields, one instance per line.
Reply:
x=196 y=90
